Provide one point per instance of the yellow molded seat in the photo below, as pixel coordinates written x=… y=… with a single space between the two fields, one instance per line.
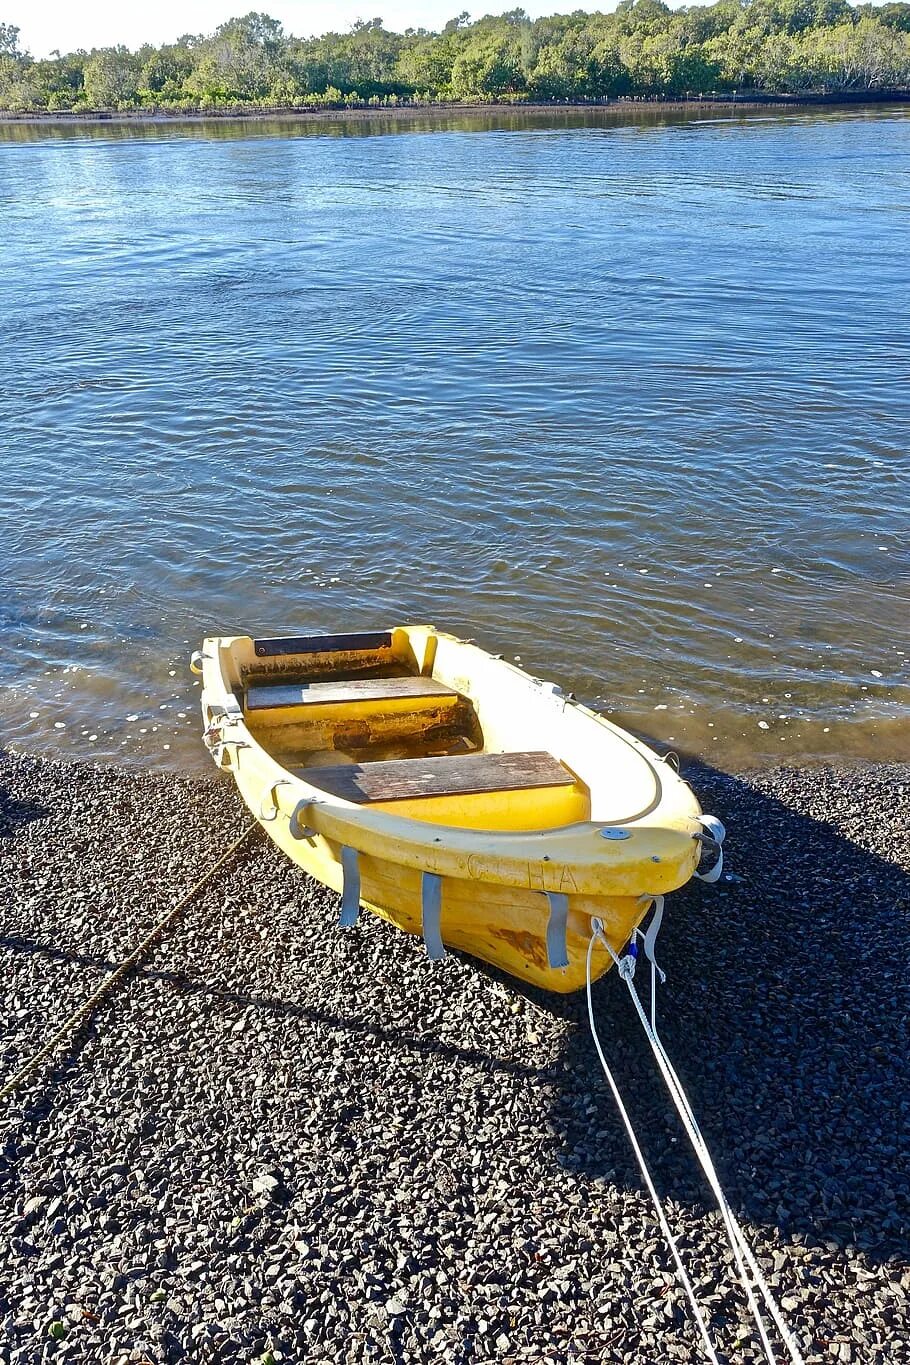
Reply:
x=514 y=791
x=449 y=775
x=369 y=691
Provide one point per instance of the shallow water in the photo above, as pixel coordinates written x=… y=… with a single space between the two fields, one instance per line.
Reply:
x=625 y=396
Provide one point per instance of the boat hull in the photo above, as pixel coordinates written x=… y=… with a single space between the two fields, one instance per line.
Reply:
x=600 y=828
x=503 y=925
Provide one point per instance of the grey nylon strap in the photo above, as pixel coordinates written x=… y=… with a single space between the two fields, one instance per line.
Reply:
x=651 y=934
x=350 y=895
x=431 y=912
x=557 y=951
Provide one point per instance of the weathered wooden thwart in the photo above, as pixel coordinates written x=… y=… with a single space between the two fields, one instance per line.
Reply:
x=451 y=793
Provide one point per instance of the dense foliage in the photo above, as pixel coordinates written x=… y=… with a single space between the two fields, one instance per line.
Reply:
x=643 y=48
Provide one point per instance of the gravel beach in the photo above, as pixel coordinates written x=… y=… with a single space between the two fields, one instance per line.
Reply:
x=282 y=1141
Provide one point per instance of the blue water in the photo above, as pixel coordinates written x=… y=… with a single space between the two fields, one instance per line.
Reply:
x=627 y=399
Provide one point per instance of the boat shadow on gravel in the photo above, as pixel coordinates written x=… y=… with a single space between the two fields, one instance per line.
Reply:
x=15 y=812
x=784 y=1013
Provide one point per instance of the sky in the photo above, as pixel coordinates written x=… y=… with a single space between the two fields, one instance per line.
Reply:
x=46 y=25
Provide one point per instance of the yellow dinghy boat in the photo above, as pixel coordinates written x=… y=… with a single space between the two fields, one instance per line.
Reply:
x=451 y=793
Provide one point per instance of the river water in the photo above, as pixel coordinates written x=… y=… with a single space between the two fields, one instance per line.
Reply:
x=627 y=396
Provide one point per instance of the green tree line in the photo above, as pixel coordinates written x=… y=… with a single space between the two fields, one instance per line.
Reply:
x=641 y=49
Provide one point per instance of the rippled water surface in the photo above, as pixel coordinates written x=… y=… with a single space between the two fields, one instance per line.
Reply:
x=629 y=400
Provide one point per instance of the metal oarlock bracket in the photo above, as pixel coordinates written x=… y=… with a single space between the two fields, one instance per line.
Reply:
x=557 y=926
x=221 y=752
x=269 y=808
x=213 y=734
x=431 y=913
x=296 y=826
x=350 y=895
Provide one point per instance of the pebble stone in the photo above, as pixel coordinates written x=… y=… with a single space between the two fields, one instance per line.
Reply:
x=286 y=1142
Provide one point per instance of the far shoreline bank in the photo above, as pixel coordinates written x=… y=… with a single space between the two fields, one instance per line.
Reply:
x=408 y=112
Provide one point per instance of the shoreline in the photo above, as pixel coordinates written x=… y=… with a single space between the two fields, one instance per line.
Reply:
x=733 y=762
x=405 y=112
x=179 y=752
x=692 y=766
x=281 y=1137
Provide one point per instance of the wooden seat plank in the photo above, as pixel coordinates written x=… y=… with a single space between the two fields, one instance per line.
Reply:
x=451 y=775
x=265 y=697
x=368 y=641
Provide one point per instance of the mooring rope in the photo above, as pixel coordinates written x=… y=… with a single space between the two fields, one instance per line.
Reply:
x=643 y=1167
x=735 y=1234
x=742 y=1252
x=72 y=1022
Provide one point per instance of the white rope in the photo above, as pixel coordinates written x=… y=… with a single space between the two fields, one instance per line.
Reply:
x=742 y=1252
x=735 y=1231
x=643 y=1167
x=649 y=940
